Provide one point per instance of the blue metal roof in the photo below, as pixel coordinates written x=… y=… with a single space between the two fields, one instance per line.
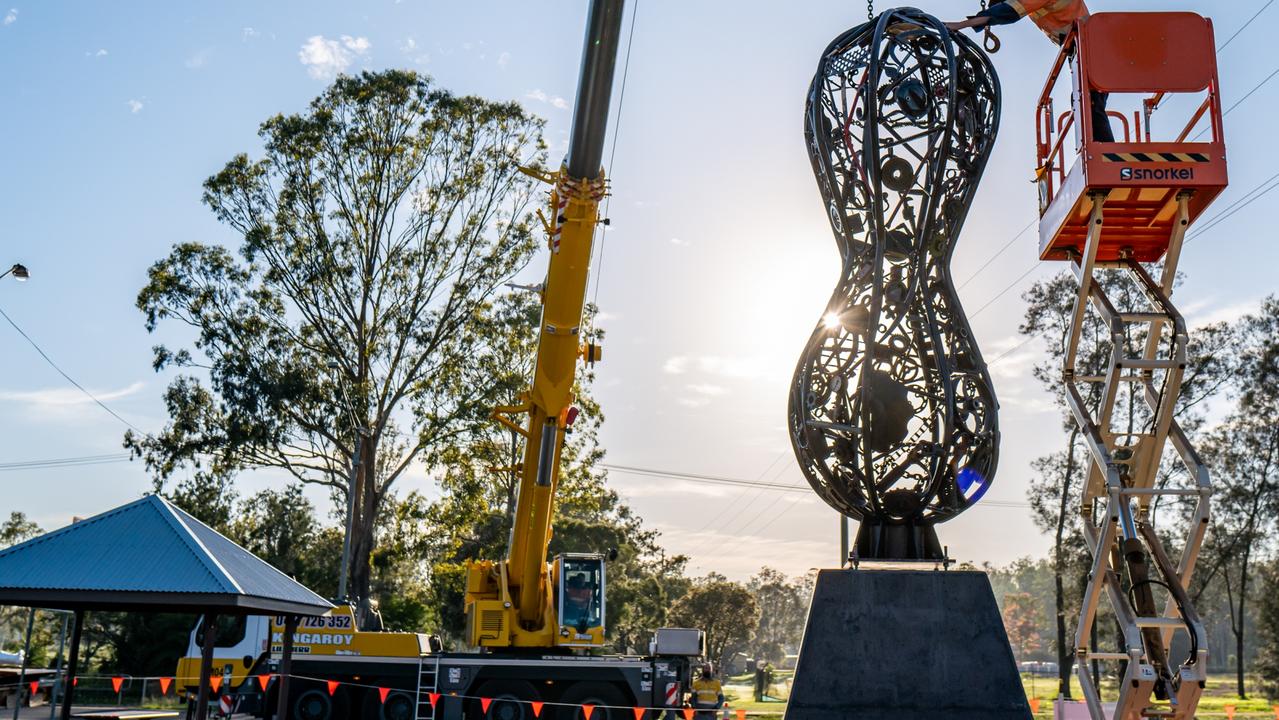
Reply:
x=147 y=553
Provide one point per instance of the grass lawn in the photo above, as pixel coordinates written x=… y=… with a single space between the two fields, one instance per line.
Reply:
x=738 y=691
x=1219 y=693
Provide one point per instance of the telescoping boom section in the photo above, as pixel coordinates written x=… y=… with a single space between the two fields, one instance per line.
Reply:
x=1118 y=212
x=522 y=601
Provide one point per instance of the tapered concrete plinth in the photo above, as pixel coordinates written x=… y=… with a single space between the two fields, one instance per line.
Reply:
x=905 y=645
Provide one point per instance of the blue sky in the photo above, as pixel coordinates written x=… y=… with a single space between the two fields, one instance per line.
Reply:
x=718 y=261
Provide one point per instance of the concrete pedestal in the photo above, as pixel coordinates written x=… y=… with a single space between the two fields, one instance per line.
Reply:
x=905 y=645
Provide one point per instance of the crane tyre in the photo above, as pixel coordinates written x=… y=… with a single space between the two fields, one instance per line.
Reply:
x=313 y=702
x=608 y=701
x=399 y=705
x=510 y=698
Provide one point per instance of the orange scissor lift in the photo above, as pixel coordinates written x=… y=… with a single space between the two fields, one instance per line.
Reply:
x=1118 y=213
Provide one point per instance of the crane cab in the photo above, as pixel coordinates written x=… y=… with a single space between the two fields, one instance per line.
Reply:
x=579 y=599
x=1153 y=181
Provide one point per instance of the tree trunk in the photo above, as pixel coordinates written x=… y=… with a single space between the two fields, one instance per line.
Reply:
x=1238 y=627
x=1065 y=651
x=363 y=527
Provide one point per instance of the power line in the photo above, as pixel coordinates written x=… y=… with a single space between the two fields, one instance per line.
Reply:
x=64 y=462
x=1220 y=47
x=722 y=480
x=996 y=255
x=68 y=378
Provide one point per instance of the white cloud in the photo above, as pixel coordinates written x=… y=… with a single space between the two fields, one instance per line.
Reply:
x=66 y=397
x=198 y=59
x=679 y=242
x=503 y=59
x=135 y=106
x=707 y=389
x=693 y=402
x=675 y=366
x=410 y=48
x=554 y=101
x=326 y=58
x=11 y=17
x=100 y=52
x=1207 y=312
x=248 y=33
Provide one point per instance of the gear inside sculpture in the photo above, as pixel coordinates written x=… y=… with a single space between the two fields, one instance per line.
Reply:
x=892 y=413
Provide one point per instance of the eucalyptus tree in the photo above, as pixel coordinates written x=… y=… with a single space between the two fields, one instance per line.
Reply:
x=337 y=342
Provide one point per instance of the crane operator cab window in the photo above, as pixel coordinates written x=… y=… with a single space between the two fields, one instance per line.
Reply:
x=581 y=593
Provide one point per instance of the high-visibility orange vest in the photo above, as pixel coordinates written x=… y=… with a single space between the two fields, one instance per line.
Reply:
x=1054 y=17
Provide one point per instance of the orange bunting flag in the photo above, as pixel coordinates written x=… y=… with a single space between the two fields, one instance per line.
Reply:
x=1034 y=705
x=1276 y=709
x=741 y=713
x=382 y=693
x=263 y=680
x=1230 y=711
x=639 y=713
x=587 y=709
x=434 y=698
x=75 y=681
x=484 y=704
x=35 y=685
x=116 y=682
x=537 y=707
x=688 y=713
x=215 y=682
x=333 y=686
x=165 y=682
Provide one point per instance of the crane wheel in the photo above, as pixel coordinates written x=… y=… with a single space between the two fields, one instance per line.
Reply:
x=510 y=700
x=398 y=706
x=608 y=701
x=313 y=702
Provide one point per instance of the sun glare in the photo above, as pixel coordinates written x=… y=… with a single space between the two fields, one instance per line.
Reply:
x=831 y=320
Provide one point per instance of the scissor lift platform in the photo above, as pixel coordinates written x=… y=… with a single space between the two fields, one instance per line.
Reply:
x=1157 y=53
x=1116 y=206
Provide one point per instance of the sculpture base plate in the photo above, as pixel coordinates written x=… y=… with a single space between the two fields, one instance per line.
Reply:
x=905 y=645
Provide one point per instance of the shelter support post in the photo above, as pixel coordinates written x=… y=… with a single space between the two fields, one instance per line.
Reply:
x=286 y=667
x=73 y=657
x=57 y=668
x=206 y=665
x=22 y=669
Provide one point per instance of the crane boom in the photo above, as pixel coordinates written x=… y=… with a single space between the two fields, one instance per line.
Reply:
x=512 y=602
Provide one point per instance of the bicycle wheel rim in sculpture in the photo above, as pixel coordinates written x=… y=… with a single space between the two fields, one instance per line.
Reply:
x=892 y=412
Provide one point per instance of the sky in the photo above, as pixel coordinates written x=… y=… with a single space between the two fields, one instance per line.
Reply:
x=716 y=265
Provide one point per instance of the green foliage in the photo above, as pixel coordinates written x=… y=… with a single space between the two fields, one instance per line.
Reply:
x=1267 y=663
x=783 y=610
x=372 y=230
x=1023 y=621
x=726 y=610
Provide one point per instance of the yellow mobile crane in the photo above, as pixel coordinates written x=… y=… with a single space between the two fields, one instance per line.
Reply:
x=533 y=621
x=522 y=601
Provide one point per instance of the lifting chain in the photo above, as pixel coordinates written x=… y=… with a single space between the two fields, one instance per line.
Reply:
x=870 y=9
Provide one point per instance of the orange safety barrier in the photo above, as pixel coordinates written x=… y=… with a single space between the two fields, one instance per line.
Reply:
x=1163 y=54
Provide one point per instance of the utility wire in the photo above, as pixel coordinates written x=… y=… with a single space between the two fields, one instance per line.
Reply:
x=68 y=378
x=64 y=462
x=996 y=255
x=1245 y=26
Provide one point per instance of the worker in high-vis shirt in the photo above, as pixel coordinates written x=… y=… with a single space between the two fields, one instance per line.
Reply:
x=1055 y=18
x=708 y=694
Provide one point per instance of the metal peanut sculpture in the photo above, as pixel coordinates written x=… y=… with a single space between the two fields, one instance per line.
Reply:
x=892 y=413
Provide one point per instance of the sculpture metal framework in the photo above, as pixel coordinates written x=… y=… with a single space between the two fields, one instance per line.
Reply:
x=892 y=413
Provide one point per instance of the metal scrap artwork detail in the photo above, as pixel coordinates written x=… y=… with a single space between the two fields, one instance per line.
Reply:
x=892 y=413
